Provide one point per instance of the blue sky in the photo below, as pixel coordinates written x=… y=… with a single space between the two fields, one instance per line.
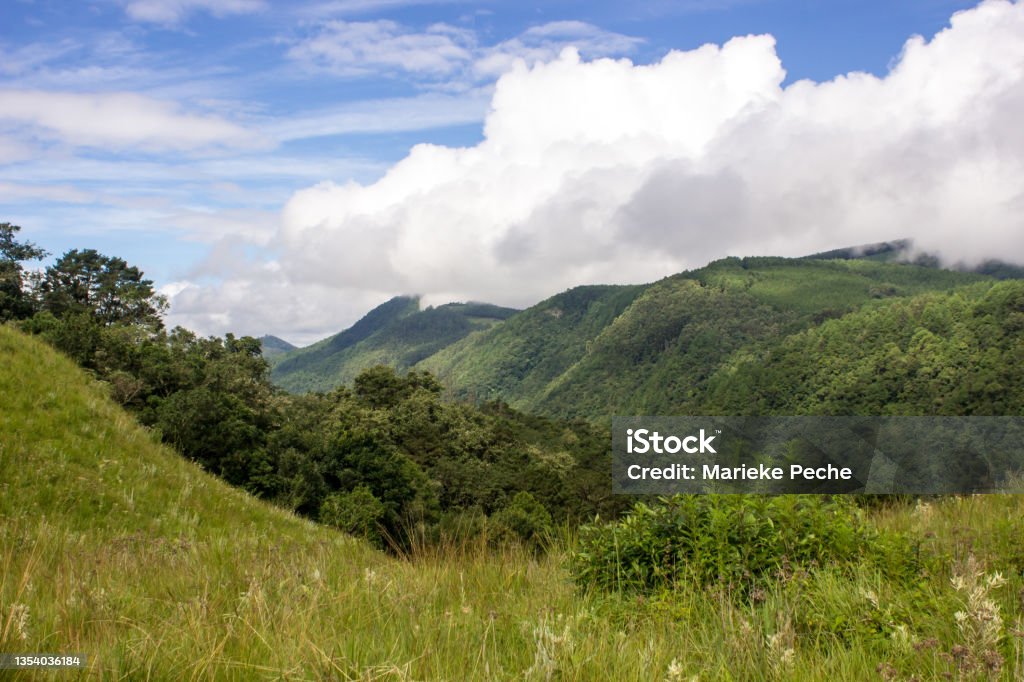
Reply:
x=177 y=133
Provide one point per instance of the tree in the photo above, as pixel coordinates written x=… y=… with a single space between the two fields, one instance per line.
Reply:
x=14 y=304
x=106 y=287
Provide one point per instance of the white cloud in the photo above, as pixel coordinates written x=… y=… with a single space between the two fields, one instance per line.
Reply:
x=365 y=47
x=356 y=49
x=544 y=43
x=606 y=171
x=170 y=12
x=396 y=114
x=115 y=120
x=336 y=8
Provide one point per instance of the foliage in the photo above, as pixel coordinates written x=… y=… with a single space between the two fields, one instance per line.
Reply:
x=358 y=513
x=14 y=301
x=593 y=352
x=105 y=287
x=396 y=333
x=524 y=520
x=957 y=353
x=733 y=541
x=112 y=545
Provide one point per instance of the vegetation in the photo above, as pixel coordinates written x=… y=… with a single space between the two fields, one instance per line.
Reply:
x=956 y=353
x=273 y=348
x=114 y=546
x=14 y=301
x=397 y=334
x=733 y=542
x=597 y=351
x=388 y=459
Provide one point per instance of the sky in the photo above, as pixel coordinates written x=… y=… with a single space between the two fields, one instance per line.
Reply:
x=283 y=167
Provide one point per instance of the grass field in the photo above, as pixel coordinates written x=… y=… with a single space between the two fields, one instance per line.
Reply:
x=113 y=546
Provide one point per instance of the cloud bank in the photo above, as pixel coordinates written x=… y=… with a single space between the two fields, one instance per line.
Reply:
x=607 y=171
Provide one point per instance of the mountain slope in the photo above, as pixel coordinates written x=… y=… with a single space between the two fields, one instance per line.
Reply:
x=651 y=350
x=519 y=358
x=949 y=353
x=273 y=347
x=396 y=333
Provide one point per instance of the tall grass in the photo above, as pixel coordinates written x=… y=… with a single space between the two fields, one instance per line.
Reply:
x=113 y=546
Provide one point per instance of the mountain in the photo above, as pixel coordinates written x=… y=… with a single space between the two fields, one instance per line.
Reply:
x=274 y=347
x=598 y=351
x=396 y=333
x=902 y=251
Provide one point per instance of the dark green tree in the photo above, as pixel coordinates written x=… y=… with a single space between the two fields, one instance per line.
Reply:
x=106 y=287
x=14 y=302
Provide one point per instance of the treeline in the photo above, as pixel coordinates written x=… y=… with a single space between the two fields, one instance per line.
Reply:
x=387 y=459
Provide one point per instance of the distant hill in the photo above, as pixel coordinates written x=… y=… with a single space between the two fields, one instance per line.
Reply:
x=396 y=333
x=901 y=251
x=274 y=347
x=650 y=349
x=599 y=350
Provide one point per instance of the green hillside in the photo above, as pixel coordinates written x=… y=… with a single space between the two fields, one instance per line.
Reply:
x=396 y=333
x=950 y=353
x=273 y=347
x=115 y=547
x=650 y=349
x=517 y=360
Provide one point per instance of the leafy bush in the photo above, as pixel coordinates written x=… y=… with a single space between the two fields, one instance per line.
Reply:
x=729 y=540
x=524 y=520
x=358 y=512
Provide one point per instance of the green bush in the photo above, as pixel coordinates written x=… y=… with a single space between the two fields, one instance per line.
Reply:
x=728 y=540
x=524 y=520
x=358 y=512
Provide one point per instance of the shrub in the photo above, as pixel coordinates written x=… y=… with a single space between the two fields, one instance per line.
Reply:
x=729 y=540
x=524 y=520
x=358 y=512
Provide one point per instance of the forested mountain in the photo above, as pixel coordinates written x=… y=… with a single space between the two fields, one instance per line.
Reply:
x=651 y=349
x=595 y=351
x=951 y=353
x=396 y=333
x=273 y=347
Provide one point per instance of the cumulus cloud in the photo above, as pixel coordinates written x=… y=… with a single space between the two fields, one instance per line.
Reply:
x=114 y=120
x=607 y=171
x=170 y=12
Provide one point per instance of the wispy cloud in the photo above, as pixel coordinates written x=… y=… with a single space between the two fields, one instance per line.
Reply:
x=544 y=42
x=115 y=120
x=328 y=9
x=441 y=51
x=369 y=47
x=397 y=114
x=172 y=12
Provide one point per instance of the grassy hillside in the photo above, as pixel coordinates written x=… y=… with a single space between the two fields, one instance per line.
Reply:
x=114 y=546
x=650 y=349
x=396 y=333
